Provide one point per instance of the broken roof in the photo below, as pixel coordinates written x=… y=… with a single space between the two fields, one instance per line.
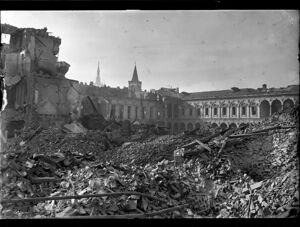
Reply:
x=170 y=92
x=10 y=29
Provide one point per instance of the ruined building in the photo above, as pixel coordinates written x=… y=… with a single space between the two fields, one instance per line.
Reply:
x=35 y=82
x=37 y=91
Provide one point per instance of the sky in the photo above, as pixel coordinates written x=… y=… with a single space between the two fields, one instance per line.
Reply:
x=193 y=50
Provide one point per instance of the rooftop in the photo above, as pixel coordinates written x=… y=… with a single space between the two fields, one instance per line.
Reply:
x=236 y=92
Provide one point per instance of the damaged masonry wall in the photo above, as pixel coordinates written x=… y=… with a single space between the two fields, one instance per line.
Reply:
x=35 y=81
x=32 y=50
x=121 y=104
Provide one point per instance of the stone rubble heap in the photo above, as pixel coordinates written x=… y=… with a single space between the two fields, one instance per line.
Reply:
x=254 y=175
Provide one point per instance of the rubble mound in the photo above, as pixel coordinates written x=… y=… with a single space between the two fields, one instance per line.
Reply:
x=151 y=150
x=246 y=172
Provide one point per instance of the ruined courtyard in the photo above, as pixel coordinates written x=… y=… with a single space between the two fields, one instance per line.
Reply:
x=75 y=150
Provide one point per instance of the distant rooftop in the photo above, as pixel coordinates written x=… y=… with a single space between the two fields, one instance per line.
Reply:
x=238 y=92
x=171 y=92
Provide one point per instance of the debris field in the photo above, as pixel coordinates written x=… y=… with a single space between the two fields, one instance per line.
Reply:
x=247 y=172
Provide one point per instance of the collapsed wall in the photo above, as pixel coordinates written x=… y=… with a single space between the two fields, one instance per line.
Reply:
x=32 y=51
x=35 y=81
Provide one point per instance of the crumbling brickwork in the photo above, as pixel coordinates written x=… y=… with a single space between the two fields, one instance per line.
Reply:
x=34 y=80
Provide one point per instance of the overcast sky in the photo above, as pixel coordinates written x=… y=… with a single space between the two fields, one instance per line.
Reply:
x=192 y=50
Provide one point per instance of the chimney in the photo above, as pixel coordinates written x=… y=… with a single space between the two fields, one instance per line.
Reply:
x=264 y=86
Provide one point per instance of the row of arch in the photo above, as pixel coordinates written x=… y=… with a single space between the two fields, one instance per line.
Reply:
x=267 y=109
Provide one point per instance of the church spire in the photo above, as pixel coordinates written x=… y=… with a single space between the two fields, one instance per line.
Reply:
x=98 y=82
x=135 y=75
x=135 y=85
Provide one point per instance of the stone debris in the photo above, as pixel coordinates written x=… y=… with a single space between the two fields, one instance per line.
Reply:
x=75 y=127
x=148 y=174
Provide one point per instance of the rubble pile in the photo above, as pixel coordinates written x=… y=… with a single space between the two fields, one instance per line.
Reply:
x=251 y=172
x=151 y=150
x=258 y=175
x=157 y=181
x=50 y=150
x=143 y=132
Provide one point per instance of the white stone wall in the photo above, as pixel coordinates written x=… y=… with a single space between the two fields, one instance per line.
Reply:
x=238 y=103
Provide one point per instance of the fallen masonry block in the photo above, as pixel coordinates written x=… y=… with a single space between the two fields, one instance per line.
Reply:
x=75 y=127
x=253 y=187
x=256 y=185
x=178 y=155
x=193 y=148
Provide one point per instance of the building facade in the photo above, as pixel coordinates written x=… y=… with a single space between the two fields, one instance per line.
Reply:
x=187 y=111
x=231 y=108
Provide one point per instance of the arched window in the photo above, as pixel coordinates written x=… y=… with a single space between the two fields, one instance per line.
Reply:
x=224 y=111
x=243 y=110
x=233 y=111
x=253 y=110
x=206 y=111
x=215 y=111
